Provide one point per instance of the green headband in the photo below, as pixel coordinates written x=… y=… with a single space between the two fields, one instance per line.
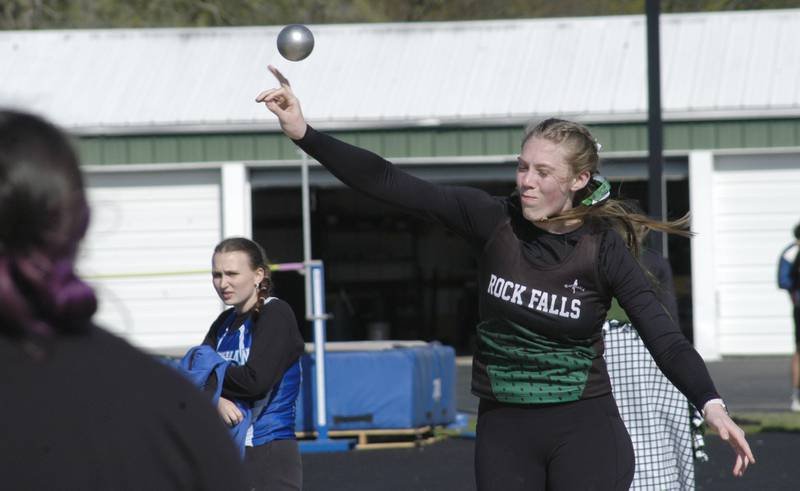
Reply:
x=601 y=190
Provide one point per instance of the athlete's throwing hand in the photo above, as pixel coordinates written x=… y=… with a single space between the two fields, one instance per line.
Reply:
x=283 y=104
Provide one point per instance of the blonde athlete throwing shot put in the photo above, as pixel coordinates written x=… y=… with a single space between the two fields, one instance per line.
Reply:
x=549 y=262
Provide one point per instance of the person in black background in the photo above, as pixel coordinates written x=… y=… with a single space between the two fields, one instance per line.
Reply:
x=549 y=263
x=80 y=408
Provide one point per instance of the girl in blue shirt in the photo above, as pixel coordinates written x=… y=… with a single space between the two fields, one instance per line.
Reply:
x=260 y=337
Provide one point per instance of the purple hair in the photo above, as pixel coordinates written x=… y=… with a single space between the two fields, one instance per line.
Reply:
x=43 y=217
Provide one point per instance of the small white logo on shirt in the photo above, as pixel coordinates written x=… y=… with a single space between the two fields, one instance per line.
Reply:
x=575 y=287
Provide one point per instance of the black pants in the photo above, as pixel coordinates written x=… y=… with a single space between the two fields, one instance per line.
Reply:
x=577 y=446
x=274 y=466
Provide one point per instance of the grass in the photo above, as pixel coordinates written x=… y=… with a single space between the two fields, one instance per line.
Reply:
x=754 y=422
x=750 y=422
x=447 y=432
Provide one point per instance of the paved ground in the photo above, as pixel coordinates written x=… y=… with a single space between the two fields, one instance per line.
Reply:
x=441 y=466
x=447 y=466
x=753 y=383
x=775 y=467
x=748 y=384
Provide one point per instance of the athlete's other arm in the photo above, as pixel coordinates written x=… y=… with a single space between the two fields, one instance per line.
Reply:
x=673 y=353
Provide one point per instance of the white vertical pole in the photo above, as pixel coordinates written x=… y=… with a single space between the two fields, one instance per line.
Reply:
x=704 y=290
x=315 y=303
x=306 y=199
x=318 y=280
x=236 y=201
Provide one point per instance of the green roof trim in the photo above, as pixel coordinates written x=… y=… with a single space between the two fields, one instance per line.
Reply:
x=428 y=142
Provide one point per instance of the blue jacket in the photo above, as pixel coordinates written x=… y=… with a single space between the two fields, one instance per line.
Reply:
x=197 y=365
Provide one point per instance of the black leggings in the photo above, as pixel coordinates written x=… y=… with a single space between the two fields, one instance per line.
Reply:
x=580 y=445
x=274 y=466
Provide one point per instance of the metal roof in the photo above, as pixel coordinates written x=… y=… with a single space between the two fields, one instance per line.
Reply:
x=714 y=66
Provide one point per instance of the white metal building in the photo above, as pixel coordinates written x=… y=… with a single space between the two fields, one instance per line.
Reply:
x=156 y=217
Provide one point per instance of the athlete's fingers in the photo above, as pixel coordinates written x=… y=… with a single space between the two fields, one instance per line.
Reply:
x=737 y=467
x=263 y=94
x=273 y=95
x=749 y=453
x=279 y=97
x=278 y=75
x=740 y=444
x=744 y=455
x=275 y=103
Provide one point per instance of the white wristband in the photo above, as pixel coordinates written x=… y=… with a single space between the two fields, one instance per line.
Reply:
x=717 y=401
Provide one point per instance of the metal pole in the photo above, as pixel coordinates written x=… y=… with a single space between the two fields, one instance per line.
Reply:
x=315 y=312
x=306 y=199
x=318 y=281
x=656 y=193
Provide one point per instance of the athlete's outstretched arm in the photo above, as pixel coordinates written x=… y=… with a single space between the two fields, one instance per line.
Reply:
x=468 y=211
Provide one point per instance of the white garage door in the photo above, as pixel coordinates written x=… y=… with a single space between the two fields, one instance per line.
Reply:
x=756 y=203
x=148 y=253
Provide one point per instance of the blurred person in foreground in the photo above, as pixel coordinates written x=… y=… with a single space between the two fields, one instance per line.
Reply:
x=81 y=408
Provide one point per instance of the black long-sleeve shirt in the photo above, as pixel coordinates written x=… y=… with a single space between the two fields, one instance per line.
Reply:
x=97 y=414
x=476 y=216
x=276 y=345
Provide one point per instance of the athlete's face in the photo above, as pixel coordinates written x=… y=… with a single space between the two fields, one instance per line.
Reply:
x=545 y=180
x=234 y=280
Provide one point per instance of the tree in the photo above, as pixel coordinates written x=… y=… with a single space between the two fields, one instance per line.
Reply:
x=70 y=14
